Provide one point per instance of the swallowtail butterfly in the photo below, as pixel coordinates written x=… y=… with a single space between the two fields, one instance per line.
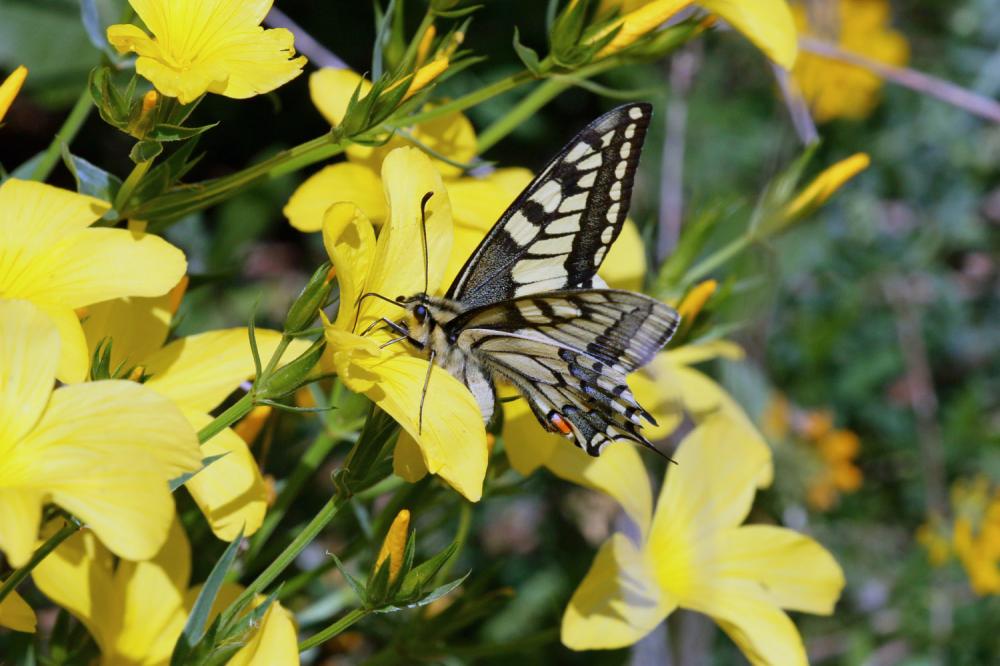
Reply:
x=528 y=307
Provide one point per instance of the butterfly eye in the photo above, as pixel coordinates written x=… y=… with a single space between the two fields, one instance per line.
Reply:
x=420 y=312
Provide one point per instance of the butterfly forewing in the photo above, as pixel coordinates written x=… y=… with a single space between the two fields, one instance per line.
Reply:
x=558 y=231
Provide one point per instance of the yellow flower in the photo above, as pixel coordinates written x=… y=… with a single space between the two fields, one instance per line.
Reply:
x=197 y=373
x=16 y=614
x=394 y=545
x=136 y=610
x=834 y=177
x=200 y=46
x=695 y=554
x=103 y=451
x=695 y=300
x=836 y=89
x=50 y=257
x=452 y=440
x=10 y=87
x=766 y=23
x=976 y=533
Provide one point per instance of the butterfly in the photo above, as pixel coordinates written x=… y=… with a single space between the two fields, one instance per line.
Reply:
x=529 y=308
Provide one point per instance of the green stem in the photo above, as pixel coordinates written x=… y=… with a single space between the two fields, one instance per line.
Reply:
x=306 y=467
x=74 y=121
x=334 y=629
x=188 y=199
x=717 y=258
x=283 y=561
x=40 y=554
x=131 y=182
x=238 y=410
x=527 y=107
x=464 y=521
x=466 y=101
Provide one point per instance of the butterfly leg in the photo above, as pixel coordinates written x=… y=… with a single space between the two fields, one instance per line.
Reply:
x=398 y=328
x=423 y=393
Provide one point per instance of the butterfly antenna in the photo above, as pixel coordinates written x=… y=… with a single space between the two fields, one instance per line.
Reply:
x=423 y=235
x=423 y=394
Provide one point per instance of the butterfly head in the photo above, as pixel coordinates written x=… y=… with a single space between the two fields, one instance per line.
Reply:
x=424 y=316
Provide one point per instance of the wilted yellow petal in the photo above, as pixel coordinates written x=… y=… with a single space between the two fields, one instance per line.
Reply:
x=350 y=243
x=408 y=176
x=794 y=571
x=9 y=89
x=29 y=352
x=618 y=601
x=15 y=613
x=105 y=451
x=208 y=46
x=625 y=265
x=230 y=491
x=452 y=440
x=826 y=183
x=200 y=371
x=347 y=182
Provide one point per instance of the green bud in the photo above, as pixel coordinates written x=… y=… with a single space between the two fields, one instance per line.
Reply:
x=292 y=376
x=312 y=297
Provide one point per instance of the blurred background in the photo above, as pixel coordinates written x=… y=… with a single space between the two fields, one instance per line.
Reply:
x=872 y=329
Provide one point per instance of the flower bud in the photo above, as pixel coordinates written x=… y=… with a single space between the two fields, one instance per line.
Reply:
x=394 y=544
x=292 y=376
x=310 y=300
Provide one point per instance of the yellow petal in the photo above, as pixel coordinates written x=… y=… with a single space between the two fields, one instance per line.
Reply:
x=407 y=460
x=641 y=21
x=705 y=351
x=105 y=451
x=274 y=642
x=96 y=265
x=201 y=47
x=450 y=135
x=134 y=610
x=398 y=268
x=15 y=613
x=452 y=440
x=135 y=326
x=793 y=570
x=331 y=90
x=355 y=183
x=350 y=243
x=766 y=23
x=74 y=361
x=9 y=89
x=20 y=513
x=528 y=445
x=618 y=472
x=476 y=204
x=712 y=485
x=200 y=371
x=35 y=214
x=29 y=352
x=625 y=265
x=762 y=631
x=617 y=603
x=230 y=491
x=825 y=184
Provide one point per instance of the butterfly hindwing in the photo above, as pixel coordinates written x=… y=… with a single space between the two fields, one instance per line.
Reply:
x=557 y=232
x=569 y=352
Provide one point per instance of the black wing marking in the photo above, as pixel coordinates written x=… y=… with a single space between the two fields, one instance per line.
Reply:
x=569 y=352
x=556 y=233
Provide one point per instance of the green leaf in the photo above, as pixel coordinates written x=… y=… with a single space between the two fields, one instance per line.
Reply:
x=355 y=584
x=424 y=572
x=430 y=598
x=26 y=168
x=194 y=628
x=92 y=180
x=165 y=132
x=187 y=476
x=527 y=55
x=145 y=151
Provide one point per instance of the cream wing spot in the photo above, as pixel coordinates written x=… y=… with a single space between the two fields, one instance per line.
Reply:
x=521 y=229
x=607 y=234
x=616 y=191
x=540 y=286
x=625 y=151
x=565 y=225
x=607 y=138
x=552 y=246
x=592 y=162
x=635 y=113
x=599 y=255
x=630 y=131
x=527 y=271
x=578 y=151
x=620 y=170
x=587 y=180
x=548 y=196
x=612 y=214
x=574 y=203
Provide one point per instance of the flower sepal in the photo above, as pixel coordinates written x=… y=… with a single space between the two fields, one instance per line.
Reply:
x=290 y=377
x=303 y=311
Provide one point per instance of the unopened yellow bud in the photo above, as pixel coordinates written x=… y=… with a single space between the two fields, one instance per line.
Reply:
x=10 y=87
x=424 y=49
x=149 y=101
x=136 y=373
x=826 y=183
x=253 y=423
x=394 y=544
x=456 y=40
x=426 y=74
x=640 y=22
x=695 y=299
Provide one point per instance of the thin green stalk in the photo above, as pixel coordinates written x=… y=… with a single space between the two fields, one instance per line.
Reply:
x=306 y=467
x=283 y=561
x=717 y=258
x=464 y=521
x=40 y=554
x=131 y=182
x=466 y=101
x=70 y=127
x=334 y=629
x=238 y=410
